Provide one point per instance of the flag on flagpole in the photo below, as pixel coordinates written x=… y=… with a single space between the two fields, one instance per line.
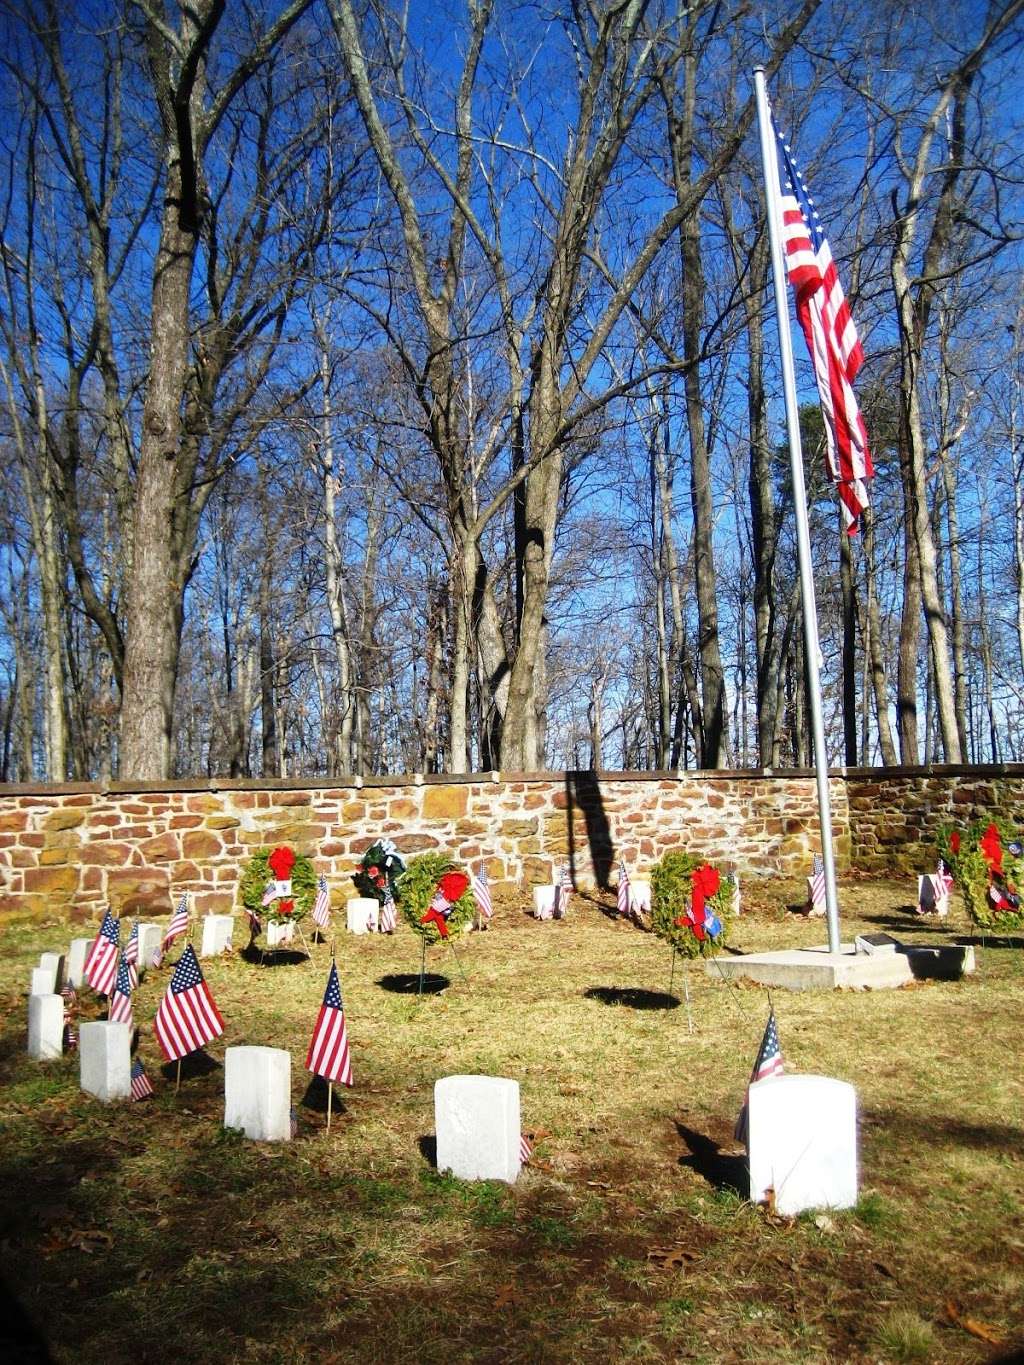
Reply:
x=767 y=1063
x=328 y=1047
x=101 y=965
x=131 y=954
x=829 y=331
x=120 y=1010
x=388 y=913
x=322 y=904
x=187 y=1017
x=622 y=901
x=482 y=893
x=142 y=1087
x=177 y=927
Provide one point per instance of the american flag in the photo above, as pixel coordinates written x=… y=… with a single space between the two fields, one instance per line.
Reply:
x=322 y=904
x=141 y=1086
x=177 y=927
x=817 y=881
x=120 y=1011
x=187 y=1017
x=767 y=1063
x=563 y=890
x=388 y=913
x=101 y=964
x=131 y=954
x=525 y=1149
x=831 y=336
x=70 y=1017
x=328 y=1048
x=944 y=881
x=482 y=893
x=255 y=924
x=622 y=902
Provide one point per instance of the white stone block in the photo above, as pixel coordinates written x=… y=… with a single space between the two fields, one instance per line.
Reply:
x=544 y=901
x=105 y=1061
x=75 y=965
x=53 y=963
x=257 y=1092
x=362 y=914
x=279 y=934
x=45 y=1027
x=640 y=897
x=150 y=937
x=477 y=1124
x=802 y=1142
x=42 y=981
x=216 y=934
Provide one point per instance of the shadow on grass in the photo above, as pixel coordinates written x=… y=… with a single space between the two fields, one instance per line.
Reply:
x=19 y=1339
x=195 y=1064
x=720 y=1169
x=315 y=1097
x=408 y=983
x=908 y=1131
x=921 y=924
x=428 y=1149
x=633 y=997
x=991 y=941
x=273 y=957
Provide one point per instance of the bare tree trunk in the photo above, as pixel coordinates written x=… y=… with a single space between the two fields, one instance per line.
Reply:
x=879 y=673
x=849 y=601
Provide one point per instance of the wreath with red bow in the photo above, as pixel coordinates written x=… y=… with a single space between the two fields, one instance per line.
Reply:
x=691 y=904
x=278 y=885
x=435 y=898
x=987 y=863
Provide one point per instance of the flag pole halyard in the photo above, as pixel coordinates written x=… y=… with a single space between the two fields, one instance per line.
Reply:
x=812 y=649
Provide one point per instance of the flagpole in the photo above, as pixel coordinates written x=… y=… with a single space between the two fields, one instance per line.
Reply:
x=812 y=648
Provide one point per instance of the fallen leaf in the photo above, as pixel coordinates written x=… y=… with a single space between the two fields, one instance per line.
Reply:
x=981 y=1330
x=883 y=1269
x=598 y=1184
x=824 y=1223
x=505 y=1296
x=671 y=1258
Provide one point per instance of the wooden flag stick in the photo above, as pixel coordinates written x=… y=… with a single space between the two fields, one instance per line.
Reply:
x=672 y=974
x=177 y=1077
x=423 y=964
x=330 y=1103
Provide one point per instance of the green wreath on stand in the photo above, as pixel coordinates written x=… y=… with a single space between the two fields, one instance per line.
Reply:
x=262 y=869
x=691 y=904
x=987 y=863
x=434 y=891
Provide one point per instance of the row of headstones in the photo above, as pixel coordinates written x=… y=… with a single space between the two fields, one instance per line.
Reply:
x=932 y=895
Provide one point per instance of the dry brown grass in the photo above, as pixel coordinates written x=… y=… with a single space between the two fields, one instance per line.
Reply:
x=146 y=1231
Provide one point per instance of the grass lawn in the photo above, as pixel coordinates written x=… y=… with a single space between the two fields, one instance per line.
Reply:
x=149 y=1232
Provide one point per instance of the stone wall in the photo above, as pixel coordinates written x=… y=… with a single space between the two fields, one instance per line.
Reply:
x=76 y=847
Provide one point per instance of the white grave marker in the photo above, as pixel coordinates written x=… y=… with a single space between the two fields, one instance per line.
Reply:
x=640 y=897
x=280 y=933
x=150 y=937
x=75 y=967
x=45 y=1027
x=42 y=981
x=257 y=1092
x=802 y=1142
x=362 y=914
x=104 y=1051
x=54 y=963
x=544 y=901
x=216 y=935
x=477 y=1124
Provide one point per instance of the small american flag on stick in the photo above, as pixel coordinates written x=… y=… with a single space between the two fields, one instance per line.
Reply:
x=131 y=954
x=101 y=964
x=525 y=1149
x=322 y=904
x=482 y=893
x=563 y=890
x=120 y=1011
x=328 y=1048
x=622 y=899
x=816 y=884
x=70 y=1017
x=767 y=1063
x=388 y=913
x=141 y=1086
x=187 y=1017
x=177 y=927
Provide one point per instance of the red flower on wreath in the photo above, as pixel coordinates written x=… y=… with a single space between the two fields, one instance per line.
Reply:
x=992 y=849
x=453 y=885
x=954 y=843
x=281 y=862
x=285 y=907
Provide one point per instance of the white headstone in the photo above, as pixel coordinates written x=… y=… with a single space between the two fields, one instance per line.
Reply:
x=150 y=936
x=640 y=897
x=53 y=963
x=279 y=933
x=75 y=966
x=42 y=981
x=257 y=1092
x=362 y=914
x=45 y=1027
x=104 y=1051
x=477 y=1123
x=544 y=901
x=802 y=1142
x=216 y=934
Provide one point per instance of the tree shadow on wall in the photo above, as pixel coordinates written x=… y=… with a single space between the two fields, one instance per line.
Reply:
x=583 y=794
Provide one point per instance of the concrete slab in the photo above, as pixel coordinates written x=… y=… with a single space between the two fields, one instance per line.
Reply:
x=816 y=969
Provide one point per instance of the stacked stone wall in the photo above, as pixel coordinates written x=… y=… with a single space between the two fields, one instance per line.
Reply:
x=75 y=848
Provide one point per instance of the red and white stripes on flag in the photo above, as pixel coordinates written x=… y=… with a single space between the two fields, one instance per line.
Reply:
x=816 y=884
x=120 y=1010
x=525 y=1149
x=829 y=331
x=187 y=1017
x=622 y=899
x=101 y=965
x=563 y=890
x=482 y=893
x=328 y=1048
x=131 y=954
x=177 y=927
x=388 y=921
x=322 y=904
x=142 y=1087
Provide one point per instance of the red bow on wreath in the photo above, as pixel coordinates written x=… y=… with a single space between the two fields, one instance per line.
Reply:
x=992 y=849
x=451 y=886
x=434 y=916
x=285 y=907
x=705 y=883
x=281 y=862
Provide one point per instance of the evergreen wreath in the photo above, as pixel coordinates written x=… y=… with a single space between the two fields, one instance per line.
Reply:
x=379 y=868
x=987 y=863
x=419 y=884
x=680 y=885
x=286 y=910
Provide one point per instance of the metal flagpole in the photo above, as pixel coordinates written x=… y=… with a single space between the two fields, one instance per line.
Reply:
x=769 y=160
